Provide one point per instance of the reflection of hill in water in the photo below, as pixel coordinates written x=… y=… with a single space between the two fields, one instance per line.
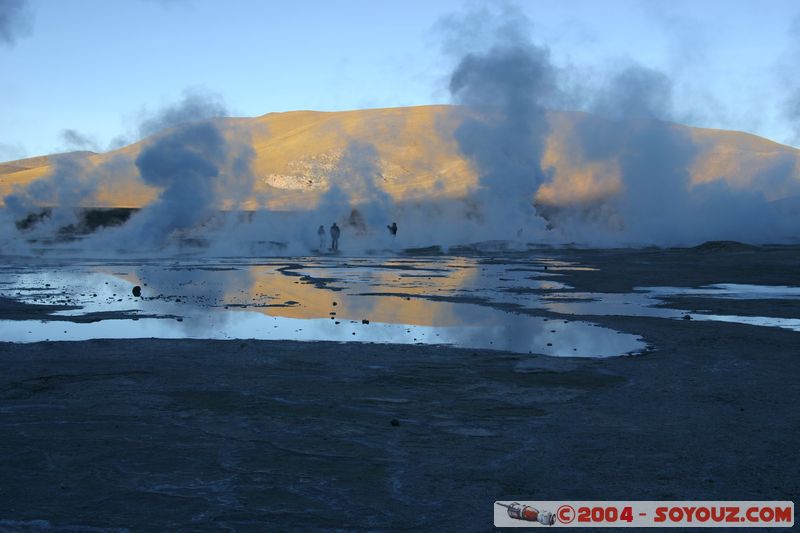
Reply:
x=409 y=301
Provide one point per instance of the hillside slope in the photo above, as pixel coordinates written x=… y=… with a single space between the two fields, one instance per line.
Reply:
x=297 y=155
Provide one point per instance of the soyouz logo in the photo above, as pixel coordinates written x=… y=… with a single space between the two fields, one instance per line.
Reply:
x=748 y=514
x=529 y=514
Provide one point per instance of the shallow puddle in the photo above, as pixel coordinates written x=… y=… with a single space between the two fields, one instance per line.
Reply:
x=466 y=302
x=648 y=301
x=390 y=301
x=523 y=335
x=736 y=291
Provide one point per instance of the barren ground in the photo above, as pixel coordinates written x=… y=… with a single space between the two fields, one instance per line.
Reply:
x=167 y=435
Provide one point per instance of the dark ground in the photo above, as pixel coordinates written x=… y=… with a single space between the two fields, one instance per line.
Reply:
x=159 y=435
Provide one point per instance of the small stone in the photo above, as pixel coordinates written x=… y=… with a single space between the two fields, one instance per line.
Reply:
x=395 y=422
x=687 y=317
x=137 y=291
x=365 y=321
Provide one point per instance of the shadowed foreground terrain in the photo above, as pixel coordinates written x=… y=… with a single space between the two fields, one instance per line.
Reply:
x=152 y=435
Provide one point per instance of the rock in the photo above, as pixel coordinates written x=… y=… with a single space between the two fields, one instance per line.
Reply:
x=714 y=246
x=365 y=321
x=137 y=291
x=395 y=422
x=687 y=317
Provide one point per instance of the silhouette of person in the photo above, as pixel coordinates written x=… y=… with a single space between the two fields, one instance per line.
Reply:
x=393 y=229
x=321 y=235
x=335 y=232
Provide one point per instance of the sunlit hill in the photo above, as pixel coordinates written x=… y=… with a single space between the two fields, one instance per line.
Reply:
x=296 y=155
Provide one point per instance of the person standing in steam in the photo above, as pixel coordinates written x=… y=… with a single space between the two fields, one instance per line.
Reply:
x=321 y=235
x=335 y=237
x=393 y=229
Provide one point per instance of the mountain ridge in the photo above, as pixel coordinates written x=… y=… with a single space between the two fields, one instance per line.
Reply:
x=297 y=154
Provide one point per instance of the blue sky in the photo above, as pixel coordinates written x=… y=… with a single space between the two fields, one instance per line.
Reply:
x=96 y=66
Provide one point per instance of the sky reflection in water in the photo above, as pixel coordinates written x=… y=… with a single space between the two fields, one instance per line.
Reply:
x=458 y=301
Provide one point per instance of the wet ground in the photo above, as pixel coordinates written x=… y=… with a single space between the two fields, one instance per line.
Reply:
x=260 y=431
x=518 y=304
x=447 y=300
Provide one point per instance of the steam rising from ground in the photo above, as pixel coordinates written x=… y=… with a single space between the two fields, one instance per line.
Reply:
x=657 y=202
x=56 y=200
x=201 y=168
x=505 y=138
x=196 y=105
x=505 y=84
x=76 y=140
x=198 y=170
x=509 y=86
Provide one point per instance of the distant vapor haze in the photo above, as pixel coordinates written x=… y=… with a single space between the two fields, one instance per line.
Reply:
x=657 y=202
x=14 y=20
x=505 y=88
x=74 y=182
x=620 y=174
x=75 y=140
x=195 y=105
x=509 y=85
x=791 y=105
x=356 y=185
x=197 y=168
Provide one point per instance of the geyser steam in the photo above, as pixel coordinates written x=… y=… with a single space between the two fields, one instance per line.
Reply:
x=509 y=90
x=505 y=90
